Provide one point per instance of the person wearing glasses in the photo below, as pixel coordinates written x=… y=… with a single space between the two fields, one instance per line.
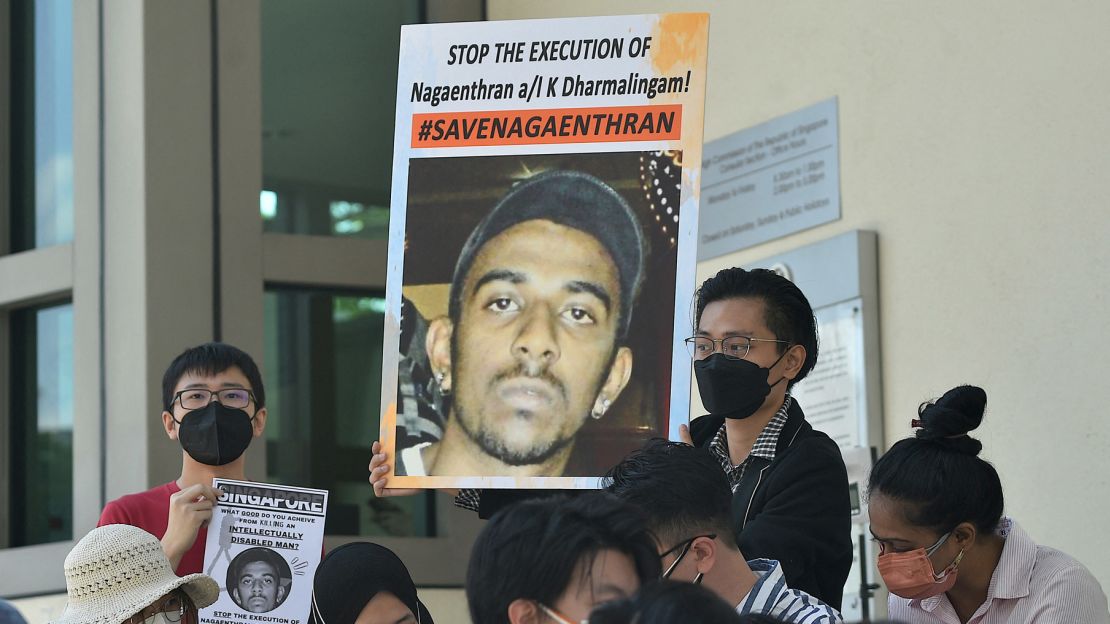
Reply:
x=755 y=337
x=687 y=500
x=119 y=573
x=552 y=560
x=947 y=554
x=213 y=405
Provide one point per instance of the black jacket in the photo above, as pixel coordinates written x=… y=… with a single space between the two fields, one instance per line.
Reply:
x=795 y=509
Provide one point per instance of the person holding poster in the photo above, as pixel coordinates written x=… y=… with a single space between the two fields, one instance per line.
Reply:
x=213 y=404
x=540 y=185
x=755 y=337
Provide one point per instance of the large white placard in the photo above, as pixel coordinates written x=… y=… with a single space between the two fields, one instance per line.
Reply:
x=542 y=243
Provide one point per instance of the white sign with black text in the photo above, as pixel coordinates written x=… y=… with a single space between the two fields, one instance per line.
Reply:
x=264 y=544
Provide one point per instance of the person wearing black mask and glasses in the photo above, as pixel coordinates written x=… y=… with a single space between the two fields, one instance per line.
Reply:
x=755 y=336
x=213 y=405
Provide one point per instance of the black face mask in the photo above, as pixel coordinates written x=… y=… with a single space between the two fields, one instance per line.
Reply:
x=215 y=435
x=732 y=388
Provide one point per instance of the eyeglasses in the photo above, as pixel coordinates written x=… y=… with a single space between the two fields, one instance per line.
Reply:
x=174 y=605
x=198 y=398
x=683 y=548
x=733 y=347
x=558 y=617
x=928 y=551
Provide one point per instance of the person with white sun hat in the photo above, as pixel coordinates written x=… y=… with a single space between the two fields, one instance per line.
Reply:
x=119 y=574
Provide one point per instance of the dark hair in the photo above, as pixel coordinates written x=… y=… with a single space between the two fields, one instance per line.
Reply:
x=669 y=602
x=786 y=310
x=211 y=358
x=259 y=554
x=682 y=490
x=938 y=473
x=530 y=550
x=576 y=200
x=351 y=575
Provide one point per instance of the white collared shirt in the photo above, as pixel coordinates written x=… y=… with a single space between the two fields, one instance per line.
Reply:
x=1031 y=585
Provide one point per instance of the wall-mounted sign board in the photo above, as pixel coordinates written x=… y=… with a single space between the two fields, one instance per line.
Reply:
x=774 y=179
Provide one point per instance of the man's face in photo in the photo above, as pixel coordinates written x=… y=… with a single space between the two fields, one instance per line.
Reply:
x=259 y=587
x=534 y=348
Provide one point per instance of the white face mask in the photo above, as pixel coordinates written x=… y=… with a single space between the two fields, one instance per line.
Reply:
x=159 y=618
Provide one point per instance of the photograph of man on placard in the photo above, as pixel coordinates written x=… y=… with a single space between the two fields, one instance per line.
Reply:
x=527 y=349
x=259 y=579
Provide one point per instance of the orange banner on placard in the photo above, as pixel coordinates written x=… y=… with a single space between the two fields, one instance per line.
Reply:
x=546 y=126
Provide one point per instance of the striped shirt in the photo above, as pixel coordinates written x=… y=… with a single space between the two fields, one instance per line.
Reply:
x=469 y=499
x=1031 y=585
x=764 y=446
x=771 y=596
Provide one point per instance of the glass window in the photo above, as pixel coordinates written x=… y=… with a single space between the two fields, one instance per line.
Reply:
x=304 y=211
x=42 y=123
x=329 y=85
x=41 y=427
x=323 y=354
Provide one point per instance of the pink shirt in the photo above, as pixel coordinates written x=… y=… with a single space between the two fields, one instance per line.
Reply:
x=1031 y=585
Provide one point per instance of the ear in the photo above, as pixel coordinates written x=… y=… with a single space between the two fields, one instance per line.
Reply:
x=522 y=611
x=259 y=422
x=615 y=381
x=965 y=534
x=169 y=425
x=280 y=594
x=704 y=552
x=793 y=360
x=437 y=344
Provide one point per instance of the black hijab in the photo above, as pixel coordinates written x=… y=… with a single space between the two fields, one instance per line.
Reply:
x=352 y=574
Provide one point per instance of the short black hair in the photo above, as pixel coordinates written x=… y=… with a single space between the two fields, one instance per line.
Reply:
x=788 y=313
x=938 y=475
x=211 y=358
x=531 y=550
x=664 y=602
x=681 y=489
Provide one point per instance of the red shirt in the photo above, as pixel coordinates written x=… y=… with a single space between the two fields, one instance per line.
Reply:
x=150 y=511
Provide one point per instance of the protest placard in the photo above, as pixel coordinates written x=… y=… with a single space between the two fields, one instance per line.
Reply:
x=542 y=242
x=264 y=544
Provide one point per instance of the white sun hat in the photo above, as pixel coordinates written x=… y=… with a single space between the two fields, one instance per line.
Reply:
x=118 y=570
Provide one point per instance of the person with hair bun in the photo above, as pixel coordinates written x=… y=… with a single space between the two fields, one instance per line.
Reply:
x=947 y=554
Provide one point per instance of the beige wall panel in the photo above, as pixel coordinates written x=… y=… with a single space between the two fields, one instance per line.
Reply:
x=973 y=140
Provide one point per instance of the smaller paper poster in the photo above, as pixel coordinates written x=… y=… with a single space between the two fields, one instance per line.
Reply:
x=264 y=544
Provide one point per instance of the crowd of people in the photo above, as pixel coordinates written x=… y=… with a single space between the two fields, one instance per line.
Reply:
x=748 y=519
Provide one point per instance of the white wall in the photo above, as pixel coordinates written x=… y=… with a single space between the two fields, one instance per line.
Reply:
x=974 y=139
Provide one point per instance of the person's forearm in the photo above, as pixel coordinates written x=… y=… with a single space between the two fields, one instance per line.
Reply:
x=174 y=552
